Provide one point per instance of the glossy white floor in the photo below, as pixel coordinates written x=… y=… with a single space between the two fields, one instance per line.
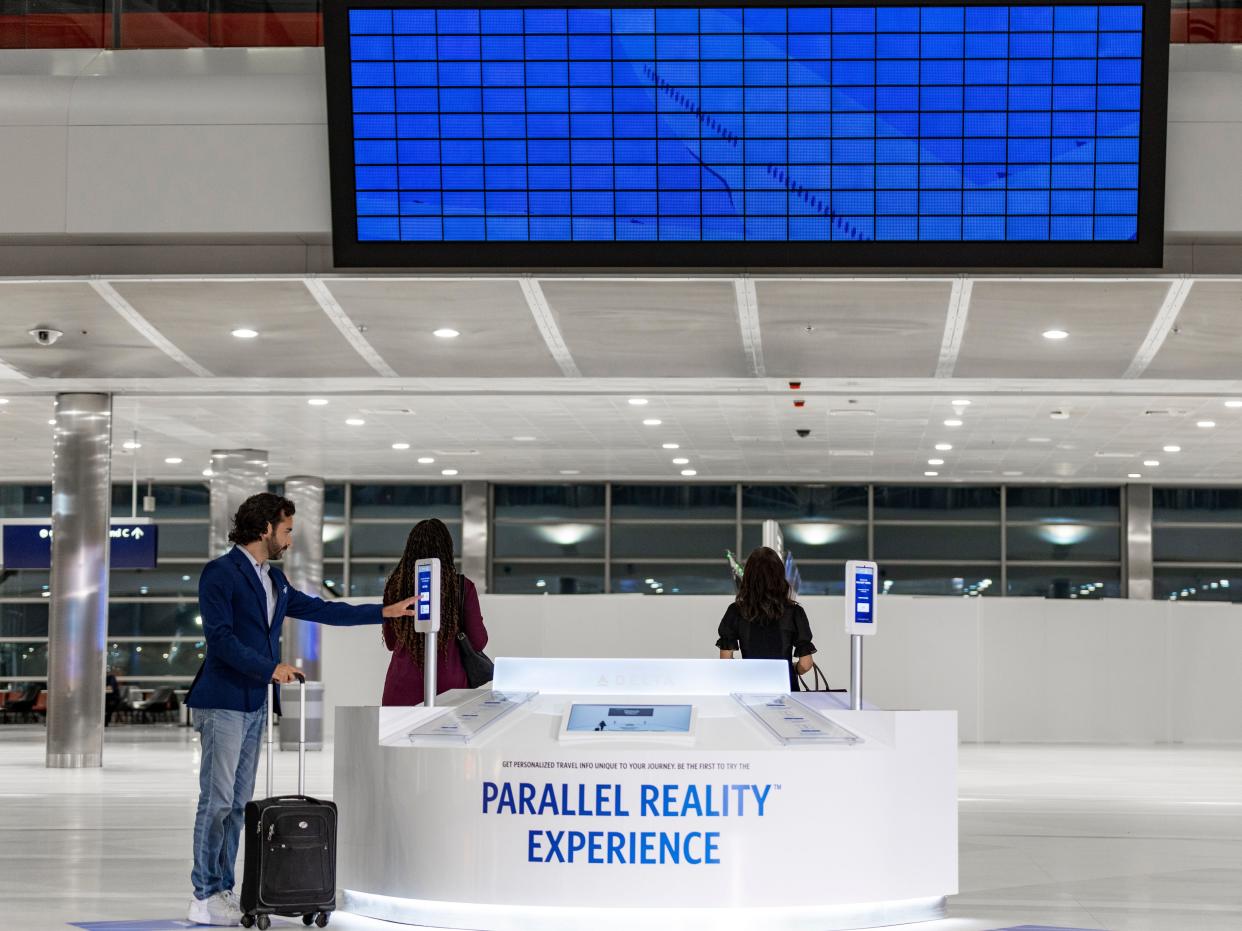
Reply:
x=1119 y=838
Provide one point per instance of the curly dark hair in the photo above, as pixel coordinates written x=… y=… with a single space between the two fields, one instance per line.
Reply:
x=764 y=593
x=255 y=514
x=429 y=538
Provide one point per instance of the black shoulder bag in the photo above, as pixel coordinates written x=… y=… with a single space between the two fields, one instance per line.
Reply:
x=479 y=669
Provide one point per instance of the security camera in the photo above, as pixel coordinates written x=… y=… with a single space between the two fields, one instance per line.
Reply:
x=46 y=335
x=804 y=433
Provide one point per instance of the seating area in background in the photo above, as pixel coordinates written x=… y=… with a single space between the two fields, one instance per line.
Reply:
x=28 y=705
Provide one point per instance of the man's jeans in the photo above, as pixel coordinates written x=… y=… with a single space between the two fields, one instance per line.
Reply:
x=230 y=758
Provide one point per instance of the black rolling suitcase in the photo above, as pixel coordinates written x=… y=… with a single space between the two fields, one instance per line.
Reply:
x=290 y=848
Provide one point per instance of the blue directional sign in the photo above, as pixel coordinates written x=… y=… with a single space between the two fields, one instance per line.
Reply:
x=29 y=546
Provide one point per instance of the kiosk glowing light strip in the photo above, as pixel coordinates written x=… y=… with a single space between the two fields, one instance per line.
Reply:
x=760 y=124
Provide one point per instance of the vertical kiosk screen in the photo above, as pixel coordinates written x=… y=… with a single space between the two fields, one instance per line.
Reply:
x=864 y=593
x=427 y=587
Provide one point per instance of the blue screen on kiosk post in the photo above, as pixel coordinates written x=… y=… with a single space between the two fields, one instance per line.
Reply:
x=424 y=594
x=864 y=594
x=931 y=123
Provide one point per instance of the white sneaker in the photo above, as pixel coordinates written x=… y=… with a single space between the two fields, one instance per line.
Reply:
x=234 y=902
x=214 y=910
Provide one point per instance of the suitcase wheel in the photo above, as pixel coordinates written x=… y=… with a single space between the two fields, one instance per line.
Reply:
x=322 y=919
x=264 y=922
x=308 y=919
x=247 y=920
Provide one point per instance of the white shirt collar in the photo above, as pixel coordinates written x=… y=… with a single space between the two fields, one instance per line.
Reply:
x=260 y=566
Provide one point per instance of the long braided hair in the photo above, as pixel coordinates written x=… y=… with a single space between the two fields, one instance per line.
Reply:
x=429 y=538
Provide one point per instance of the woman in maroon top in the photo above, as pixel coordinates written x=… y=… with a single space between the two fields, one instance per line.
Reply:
x=459 y=609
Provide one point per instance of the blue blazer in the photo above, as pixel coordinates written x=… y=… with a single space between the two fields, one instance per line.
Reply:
x=242 y=651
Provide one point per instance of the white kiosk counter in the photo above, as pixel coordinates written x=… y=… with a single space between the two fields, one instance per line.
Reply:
x=602 y=794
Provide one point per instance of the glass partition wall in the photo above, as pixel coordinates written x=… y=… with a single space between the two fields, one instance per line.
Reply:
x=672 y=539
x=659 y=539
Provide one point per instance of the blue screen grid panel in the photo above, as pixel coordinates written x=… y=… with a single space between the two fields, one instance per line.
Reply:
x=967 y=124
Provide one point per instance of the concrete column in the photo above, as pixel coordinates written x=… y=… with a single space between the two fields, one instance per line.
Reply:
x=1138 y=553
x=474 y=533
x=236 y=474
x=304 y=567
x=78 y=630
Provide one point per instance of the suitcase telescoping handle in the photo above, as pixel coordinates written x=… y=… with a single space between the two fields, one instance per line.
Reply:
x=271 y=714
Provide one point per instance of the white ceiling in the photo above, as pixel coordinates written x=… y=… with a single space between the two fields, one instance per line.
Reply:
x=557 y=358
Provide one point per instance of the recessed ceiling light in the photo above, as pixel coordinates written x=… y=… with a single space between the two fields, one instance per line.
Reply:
x=688 y=472
x=570 y=472
x=52 y=422
x=1059 y=415
x=652 y=422
x=1233 y=404
x=448 y=471
x=1151 y=463
x=523 y=439
x=1055 y=334
x=1038 y=439
x=931 y=474
x=961 y=402
x=400 y=445
x=1012 y=473
x=425 y=460
x=131 y=444
x=680 y=461
x=672 y=446
x=446 y=333
x=638 y=402
x=935 y=462
x=4 y=400
x=173 y=460
x=952 y=423
x=355 y=422
x=1206 y=424
x=245 y=333
x=207 y=473
x=317 y=402
x=1135 y=475
x=943 y=447
x=1172 y=449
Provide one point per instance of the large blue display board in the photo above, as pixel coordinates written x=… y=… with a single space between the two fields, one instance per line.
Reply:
x=762 y=125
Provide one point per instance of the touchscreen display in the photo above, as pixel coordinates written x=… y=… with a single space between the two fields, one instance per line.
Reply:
x=424 y=593
x=668 y=719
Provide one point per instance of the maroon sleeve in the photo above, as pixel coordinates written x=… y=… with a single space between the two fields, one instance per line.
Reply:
x=475 y=630
x=390 y=635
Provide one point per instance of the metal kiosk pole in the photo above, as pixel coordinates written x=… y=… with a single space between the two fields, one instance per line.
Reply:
x=860 y=577
x=856 y=683
x=427 y=621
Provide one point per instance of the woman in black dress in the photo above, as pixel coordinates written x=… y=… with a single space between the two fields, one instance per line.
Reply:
x=764 y=621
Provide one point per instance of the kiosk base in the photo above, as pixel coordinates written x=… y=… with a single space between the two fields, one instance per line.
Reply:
x=430 y=914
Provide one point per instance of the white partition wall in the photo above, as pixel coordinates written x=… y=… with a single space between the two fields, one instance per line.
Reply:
x=1014 y=669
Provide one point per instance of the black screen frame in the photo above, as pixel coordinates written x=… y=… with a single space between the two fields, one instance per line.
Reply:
x=1147 y=251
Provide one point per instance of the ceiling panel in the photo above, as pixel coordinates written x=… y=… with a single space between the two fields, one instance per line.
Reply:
x=97 y=343
x=499 y=338
x=1004 y=437
x=848 y=329
x=650 y=329
x=1107 y=322
x=1207 y=336
x=296 y=338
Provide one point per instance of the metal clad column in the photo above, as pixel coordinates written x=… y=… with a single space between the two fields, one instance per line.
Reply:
x=78 y=631
x=236 y=474
x=304 y=567
x=1138 y=542
x=474 y=533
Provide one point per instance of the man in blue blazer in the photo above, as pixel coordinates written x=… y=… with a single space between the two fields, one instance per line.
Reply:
x=243 y=600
